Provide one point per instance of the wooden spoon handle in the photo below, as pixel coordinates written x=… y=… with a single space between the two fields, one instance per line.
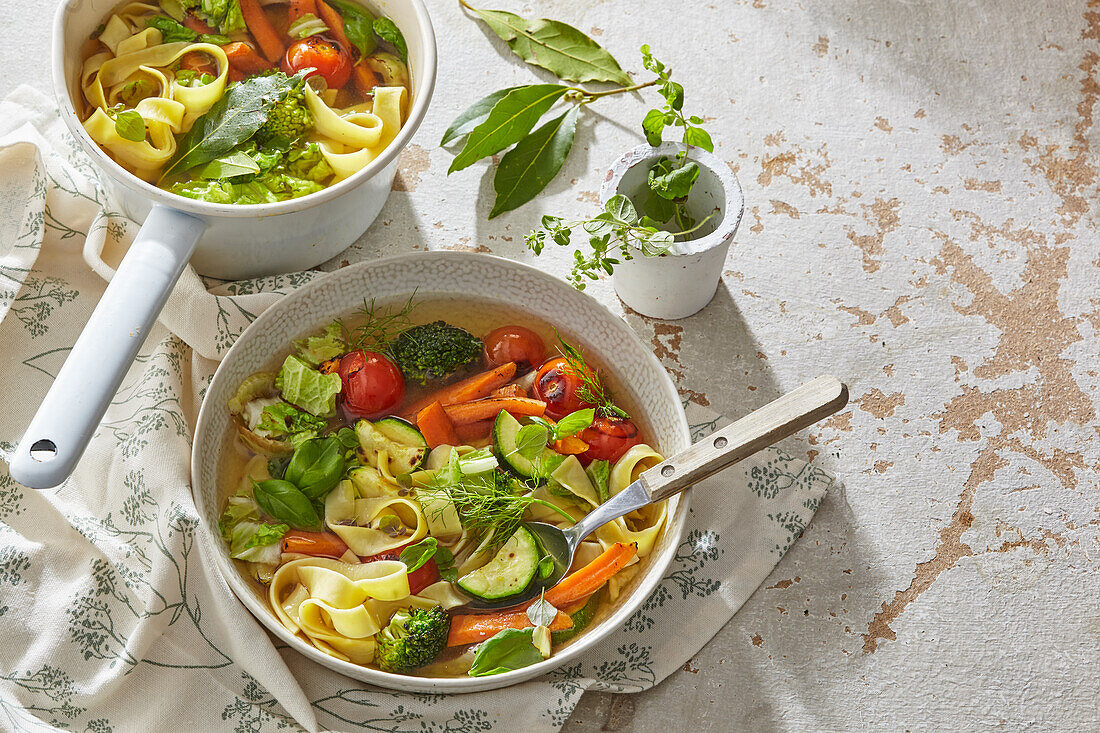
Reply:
x=774 y=421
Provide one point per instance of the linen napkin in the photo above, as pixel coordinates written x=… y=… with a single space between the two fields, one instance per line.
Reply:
x=112 y=618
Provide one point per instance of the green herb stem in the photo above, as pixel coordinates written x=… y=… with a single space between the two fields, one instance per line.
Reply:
x=592 y=96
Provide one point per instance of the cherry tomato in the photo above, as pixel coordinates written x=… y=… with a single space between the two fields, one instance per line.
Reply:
x=514 y=343
x=556 y=385
x=372 y=383
x=608 y=439
x=420 y=578
x=327 y=57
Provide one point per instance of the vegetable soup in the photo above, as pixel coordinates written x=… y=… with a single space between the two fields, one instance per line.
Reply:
x=388 y=466
x=238 y=102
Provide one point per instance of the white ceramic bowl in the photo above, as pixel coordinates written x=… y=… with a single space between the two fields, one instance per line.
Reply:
x=639 y=376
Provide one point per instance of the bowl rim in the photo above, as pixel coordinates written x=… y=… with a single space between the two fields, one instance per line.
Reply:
x=424 y=86
x=674 y=525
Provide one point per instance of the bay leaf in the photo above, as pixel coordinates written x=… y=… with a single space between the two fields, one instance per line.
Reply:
x=474 y=115
x=241 y=111
x=555 y=46
x=525 y=170
x=508 y=122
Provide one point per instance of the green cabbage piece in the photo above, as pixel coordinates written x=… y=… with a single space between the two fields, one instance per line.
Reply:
x=308 y=388
x=328 y=345
x=249 y=538
x=284 y=173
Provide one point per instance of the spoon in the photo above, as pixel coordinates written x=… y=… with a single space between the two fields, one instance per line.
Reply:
x=774 y=421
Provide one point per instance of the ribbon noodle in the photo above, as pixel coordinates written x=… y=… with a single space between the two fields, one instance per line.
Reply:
x=370 y=525
x=351 y=141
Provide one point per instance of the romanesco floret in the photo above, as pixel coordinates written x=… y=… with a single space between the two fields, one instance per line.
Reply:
x=412 y=639
x=434 y=350
x=289 y=119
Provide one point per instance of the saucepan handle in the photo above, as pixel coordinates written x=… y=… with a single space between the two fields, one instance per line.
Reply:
x=94 y=369
x=776 y=420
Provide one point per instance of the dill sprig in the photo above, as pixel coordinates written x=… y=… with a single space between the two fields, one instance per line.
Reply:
x=486 y=503
x=591 y=389
x=379 y=325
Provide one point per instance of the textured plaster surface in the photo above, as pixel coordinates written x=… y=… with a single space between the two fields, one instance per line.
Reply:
x=921 y=189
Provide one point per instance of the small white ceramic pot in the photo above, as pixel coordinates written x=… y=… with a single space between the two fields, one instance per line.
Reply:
x=680 y=283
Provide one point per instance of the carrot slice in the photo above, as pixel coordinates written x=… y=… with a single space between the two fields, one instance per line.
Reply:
x=199 y=62
x=335 y=24
x=364 y=78
x=244 y=58
x=509 y=390
x=474 y=431
x=436 y=427
x=592 y=576
x=298 y=8
x=471 y=388
x=570 y=446
x=196 y=25
x=488 y=409
x=474 y=627
x=261 y=29
x=314 y=543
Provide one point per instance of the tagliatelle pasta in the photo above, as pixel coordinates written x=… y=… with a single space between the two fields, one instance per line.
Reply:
x=156 y=69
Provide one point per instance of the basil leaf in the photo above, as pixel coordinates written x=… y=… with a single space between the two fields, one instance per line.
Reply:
x=508 y=122
x=234 y=118
x=283 y=501
x=445 y=561
x=658 y=208
x=653 y=125
x=130 y=126
x=216 y=40
x=599 y=472
x=675 y=183
x=317 y=466
x=358 y=26
x=474 y=115
x=546 y=569
x=547 y=463
x=235 y=164
x=531 y=440
x=414 y=556
x=526 y=169
x=171 y=30
x=388 y=31
x=573 y=423
x=555 y=46
x=508 y=650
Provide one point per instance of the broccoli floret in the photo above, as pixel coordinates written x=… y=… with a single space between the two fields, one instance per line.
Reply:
x=288 y=119
x=434 y=350
x=412 y=639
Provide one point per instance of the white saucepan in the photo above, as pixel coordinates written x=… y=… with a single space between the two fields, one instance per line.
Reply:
x=222 y=241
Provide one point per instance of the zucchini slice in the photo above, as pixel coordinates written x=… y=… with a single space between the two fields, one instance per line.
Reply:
x=582 y=617
x=505 y=429
x=404 y=445
x=510 y=571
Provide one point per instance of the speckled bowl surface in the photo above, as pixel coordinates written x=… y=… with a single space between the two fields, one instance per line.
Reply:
x=437 y=275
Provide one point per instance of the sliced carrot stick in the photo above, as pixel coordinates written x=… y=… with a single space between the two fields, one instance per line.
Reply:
x=335 y=24
x=298 y=8
x=364 y=78
x=474 y=431
x=314 y=543
x=592 y=576
x=570 y=446
x=475 y=627
x=199 y=62
x=436 y=427
x=261 y=29
x=471 y=388
x=488 y=409
x=509 y=390
x=197 y=25
x=244 y=58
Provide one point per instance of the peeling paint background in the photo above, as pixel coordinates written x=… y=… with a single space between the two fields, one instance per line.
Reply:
x=921 y=193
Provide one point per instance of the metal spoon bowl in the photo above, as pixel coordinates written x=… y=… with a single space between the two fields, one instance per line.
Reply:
x=774 y=421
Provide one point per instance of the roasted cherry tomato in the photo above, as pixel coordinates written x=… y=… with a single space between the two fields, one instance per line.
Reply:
x=514 y=343
x=556 y=385
x=372 y=383
x=327 y=57
x=420 y=578
x=608 y=439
